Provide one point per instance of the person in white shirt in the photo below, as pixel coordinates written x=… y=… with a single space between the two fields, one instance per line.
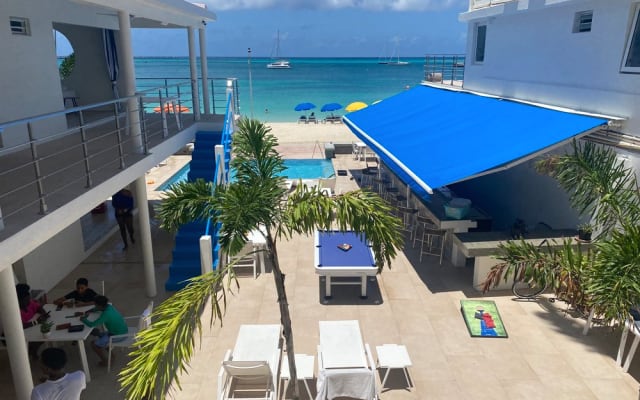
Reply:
x=59 y=384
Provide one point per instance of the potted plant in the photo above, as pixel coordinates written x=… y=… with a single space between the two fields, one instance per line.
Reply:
x=45 y=328
x=585 y=231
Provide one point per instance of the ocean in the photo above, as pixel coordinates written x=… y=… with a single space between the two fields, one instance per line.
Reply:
x=316 y=80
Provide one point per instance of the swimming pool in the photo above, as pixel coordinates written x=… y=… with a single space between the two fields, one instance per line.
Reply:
x=296 y=169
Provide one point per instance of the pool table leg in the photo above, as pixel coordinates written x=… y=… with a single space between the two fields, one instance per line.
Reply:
x=327 y=287
x=363 y=287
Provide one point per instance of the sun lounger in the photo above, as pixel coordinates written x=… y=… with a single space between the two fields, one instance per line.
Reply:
x=312 y=119
x=252 y=367
x=302 y=120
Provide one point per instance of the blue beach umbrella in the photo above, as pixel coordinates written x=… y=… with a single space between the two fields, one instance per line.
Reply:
x=305 y=106
x=331 y=107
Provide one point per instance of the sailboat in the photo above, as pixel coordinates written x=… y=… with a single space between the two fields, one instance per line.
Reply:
x=396 y=61
x=279 y=63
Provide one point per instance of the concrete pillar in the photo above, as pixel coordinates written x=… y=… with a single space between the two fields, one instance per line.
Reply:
x=206 y=254
x=14 y=335
x=128 y=80
x=195 y=93
x=144 y=227
x=202 y=40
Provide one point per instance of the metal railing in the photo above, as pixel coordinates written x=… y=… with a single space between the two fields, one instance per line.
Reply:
x=475 y=4
x=446 y=69
x=217 y=90
x=49 y=159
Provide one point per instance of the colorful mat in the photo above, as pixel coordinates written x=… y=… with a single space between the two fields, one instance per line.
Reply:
x=482 y=318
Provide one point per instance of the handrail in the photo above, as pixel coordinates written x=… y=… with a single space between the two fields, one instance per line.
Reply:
x=445 y=69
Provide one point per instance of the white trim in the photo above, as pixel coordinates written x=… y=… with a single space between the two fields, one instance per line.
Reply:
x=531 y=103
x=634 y=31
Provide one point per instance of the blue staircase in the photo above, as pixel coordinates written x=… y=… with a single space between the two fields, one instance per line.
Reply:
x=186 y=252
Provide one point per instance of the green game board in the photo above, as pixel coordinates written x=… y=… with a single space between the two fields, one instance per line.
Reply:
x=482 y=318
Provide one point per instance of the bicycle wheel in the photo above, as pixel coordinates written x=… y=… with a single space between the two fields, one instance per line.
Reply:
x=527 y=290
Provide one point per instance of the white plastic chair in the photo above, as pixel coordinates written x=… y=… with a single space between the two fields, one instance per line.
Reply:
x=245 y=379
x=127 y=340
x=244 y=260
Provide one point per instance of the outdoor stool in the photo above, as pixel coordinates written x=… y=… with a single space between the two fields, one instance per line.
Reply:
x=304 y=369
x=424 y=222
x=393 y=356
x=432 y=243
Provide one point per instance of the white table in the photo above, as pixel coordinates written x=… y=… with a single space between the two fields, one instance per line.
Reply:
x=33 y=334
x=304 y=371
x=392 y=356
x=342 y=359
x=629 y=326
x=259 y=343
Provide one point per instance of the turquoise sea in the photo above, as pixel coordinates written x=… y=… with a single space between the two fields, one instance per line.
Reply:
x=316 y=80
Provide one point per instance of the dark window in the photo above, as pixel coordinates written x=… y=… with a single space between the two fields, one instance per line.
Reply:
x=19 y=26
x=582 y=21
x=632 y=53
x=481 y=37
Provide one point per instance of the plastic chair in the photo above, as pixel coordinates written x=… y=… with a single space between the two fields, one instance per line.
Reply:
x=244 y=378
x=128 y=339
x=245 y=260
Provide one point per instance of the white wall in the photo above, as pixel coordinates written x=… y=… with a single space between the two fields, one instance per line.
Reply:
x=29 y=77
x=56 y=258
x=533 y=55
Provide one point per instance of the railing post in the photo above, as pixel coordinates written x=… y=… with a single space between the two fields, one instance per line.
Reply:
x=119 y=133
x=143 y=127
x=36 y=167
x=85 y=150
x=213 y=97
x=179 y=110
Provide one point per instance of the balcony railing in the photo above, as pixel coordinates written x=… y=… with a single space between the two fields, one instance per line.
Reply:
x=49 y=159
x=475 y=4
x=446 y=69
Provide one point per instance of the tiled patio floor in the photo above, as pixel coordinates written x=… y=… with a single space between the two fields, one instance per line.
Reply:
x=415 y=304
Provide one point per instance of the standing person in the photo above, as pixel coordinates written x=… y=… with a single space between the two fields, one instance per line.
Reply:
x=82 y=296
x=113 y=322
x=122 y=203
x=59 y=384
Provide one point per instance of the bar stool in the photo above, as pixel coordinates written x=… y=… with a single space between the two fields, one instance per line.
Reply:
x=367 y=178
x=423 y=222
x=432 y=243
x=408 y=216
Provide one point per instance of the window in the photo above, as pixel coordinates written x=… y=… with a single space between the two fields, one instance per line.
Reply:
x=19 y=26
x=582 y=21
x=631 y=60
x=481 y=37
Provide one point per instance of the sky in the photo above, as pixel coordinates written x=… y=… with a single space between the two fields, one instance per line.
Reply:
x=320 y=28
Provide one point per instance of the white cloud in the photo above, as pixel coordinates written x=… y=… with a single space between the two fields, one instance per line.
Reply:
x=372 y=5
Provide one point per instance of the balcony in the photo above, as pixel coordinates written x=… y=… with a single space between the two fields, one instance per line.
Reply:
x=66 y=154
x=477 y=4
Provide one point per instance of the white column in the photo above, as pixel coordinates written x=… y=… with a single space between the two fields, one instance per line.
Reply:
x=206 y=254
x=194 y=73
x=202 y=40
x=128 y=80
x=14 y=335
x=144 y=227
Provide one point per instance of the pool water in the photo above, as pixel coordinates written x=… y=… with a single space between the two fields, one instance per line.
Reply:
x=296 y=169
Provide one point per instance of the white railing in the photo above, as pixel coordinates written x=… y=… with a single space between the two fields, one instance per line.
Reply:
x=475 y=4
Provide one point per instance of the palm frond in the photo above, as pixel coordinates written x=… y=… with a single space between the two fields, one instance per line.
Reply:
x=164 y=349
x=186 y=202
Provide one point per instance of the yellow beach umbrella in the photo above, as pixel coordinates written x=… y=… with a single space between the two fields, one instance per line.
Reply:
x=355 y=106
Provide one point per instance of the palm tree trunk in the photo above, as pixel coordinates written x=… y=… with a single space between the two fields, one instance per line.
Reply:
x=285 y=317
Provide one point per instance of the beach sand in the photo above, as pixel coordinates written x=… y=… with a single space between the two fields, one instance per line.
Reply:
x=307 y=140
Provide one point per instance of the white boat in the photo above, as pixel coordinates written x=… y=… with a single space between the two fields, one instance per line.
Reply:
x=279 y=63
x=394 y=60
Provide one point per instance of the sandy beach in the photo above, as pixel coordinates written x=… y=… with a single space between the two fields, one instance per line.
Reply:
x=291 y=132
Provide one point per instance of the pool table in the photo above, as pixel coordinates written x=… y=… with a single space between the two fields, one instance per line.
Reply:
x=332 y=261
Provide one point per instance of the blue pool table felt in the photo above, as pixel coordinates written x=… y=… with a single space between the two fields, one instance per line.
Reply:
x=332 y=256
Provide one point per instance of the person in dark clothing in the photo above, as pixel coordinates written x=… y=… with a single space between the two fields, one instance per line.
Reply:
x=82 y=296
x=122 y=203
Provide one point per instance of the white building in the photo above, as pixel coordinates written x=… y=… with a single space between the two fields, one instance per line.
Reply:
x=582 y=55
x=58 y=161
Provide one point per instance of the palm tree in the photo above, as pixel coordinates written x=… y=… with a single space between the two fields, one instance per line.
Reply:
x=605 y=278
x=253 y=201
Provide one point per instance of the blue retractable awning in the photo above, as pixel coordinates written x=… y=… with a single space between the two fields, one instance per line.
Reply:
x=433 y=137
